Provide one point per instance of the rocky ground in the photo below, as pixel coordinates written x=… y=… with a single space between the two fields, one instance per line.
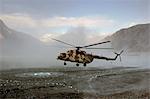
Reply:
x=75 y=83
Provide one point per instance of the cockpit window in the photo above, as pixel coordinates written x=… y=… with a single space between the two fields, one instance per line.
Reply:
x=63 y=54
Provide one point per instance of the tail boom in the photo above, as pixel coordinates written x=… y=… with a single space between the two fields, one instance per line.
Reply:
x=107 y=58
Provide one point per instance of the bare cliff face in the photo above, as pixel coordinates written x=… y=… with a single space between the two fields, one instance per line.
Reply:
x=132 y=39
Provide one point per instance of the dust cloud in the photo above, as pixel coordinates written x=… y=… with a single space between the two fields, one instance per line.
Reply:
x=19 y=50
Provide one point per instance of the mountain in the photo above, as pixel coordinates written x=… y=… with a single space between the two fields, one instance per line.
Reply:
x=14 y=42
x=132 y=39
x=20 y=49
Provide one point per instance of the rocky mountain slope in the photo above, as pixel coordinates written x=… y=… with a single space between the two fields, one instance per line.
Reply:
x=20 y=49
x=14 y=42
x=132 y=39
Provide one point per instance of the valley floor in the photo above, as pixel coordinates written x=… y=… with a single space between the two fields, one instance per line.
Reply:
x=75 y=83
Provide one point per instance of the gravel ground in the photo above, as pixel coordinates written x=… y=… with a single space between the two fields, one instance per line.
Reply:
x=75 y=83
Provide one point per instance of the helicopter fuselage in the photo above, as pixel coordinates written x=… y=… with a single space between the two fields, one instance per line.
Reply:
x=77 y=56
x=80 y=56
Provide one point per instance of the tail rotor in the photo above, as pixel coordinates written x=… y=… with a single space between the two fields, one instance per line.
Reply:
x=119 y=54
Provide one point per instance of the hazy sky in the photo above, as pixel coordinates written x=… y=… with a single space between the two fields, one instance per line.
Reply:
x=51 y=18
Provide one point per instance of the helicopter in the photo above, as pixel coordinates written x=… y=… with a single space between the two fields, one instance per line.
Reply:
x=79 y=56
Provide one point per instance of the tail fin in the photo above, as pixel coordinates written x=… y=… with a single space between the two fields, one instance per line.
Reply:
x=119 y=54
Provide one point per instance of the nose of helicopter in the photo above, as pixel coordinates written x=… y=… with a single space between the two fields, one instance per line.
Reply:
x=58 y=57
x=61 y=56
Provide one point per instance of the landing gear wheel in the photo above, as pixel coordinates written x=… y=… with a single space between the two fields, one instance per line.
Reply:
x=77 y=64
x=84 y=64
x=65 y=63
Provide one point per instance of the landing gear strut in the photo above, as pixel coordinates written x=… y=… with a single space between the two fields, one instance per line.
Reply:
x=77 y=64
x=65 y=63
x=84 y=64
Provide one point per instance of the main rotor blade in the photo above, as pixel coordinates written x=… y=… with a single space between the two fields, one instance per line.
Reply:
x=95 y=44
x=99 y=48
x=56 y=46
x=63 y=42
